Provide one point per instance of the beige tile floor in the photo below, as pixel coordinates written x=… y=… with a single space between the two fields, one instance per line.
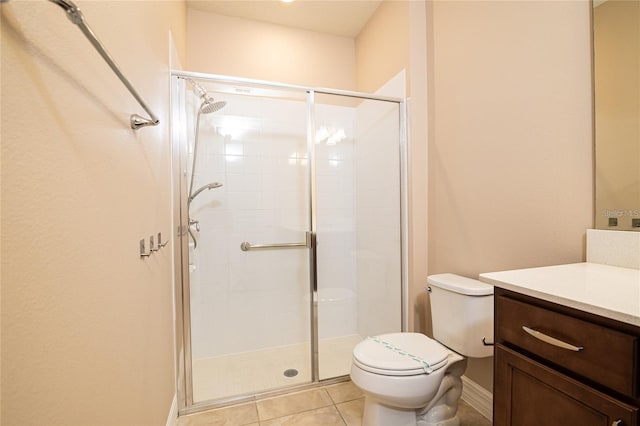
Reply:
x=339 y=404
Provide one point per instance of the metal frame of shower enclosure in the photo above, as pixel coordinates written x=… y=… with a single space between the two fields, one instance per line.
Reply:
x=184 y=372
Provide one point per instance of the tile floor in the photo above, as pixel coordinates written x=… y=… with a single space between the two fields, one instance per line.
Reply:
x=339 y=404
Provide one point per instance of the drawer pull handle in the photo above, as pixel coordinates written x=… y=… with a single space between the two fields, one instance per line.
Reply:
x=551 y=340
x=617 y=423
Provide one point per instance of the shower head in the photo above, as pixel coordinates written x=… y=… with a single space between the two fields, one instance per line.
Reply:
x=208 y=103
x=208 y=106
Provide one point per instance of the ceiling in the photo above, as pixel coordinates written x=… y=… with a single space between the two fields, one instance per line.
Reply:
x=337 y=17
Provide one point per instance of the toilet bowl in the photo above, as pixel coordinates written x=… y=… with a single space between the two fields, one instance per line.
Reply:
x=410 y=379
x=402 y=373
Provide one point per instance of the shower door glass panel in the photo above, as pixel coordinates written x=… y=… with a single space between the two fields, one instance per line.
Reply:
x=250 y=310
x=358 y=207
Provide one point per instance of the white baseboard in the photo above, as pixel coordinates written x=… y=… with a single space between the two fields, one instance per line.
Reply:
x=477 y=397
x=172 y=418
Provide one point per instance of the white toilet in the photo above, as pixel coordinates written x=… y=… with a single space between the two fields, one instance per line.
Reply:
x=410 y=379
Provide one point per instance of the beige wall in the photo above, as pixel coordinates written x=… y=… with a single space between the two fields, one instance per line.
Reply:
x=236 y=47
x=382 y=47
x=510 y=143
x=87 y=326
x=617 y=108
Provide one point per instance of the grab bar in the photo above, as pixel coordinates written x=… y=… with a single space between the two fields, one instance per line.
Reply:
x=75 y=16
x=246 y=246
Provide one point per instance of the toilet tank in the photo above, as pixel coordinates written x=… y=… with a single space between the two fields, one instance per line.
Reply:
x=462 y=313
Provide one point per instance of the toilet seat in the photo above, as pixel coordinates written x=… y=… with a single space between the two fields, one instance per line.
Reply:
x=400 y=354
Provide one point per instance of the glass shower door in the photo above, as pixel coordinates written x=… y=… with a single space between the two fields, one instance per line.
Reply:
x=290 y=233
x=248 y=257
x=359 y=225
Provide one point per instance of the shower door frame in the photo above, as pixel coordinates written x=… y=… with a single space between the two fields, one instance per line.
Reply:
x=182 y=296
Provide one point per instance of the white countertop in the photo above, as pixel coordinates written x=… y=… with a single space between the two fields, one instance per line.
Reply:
x=604 y=290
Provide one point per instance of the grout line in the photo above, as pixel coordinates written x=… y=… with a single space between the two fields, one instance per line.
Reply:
x=305 y=411
x=340 y=414
x=331 y=403
x=298 y=412
x=255 y=407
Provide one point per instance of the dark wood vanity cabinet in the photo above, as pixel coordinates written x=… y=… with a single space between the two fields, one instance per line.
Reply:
x=555 y=365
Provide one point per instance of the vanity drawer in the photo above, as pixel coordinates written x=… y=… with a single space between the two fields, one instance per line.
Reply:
x=593 y=351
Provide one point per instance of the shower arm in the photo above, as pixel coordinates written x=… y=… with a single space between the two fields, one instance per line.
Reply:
x=212 y=185
x=75 y=16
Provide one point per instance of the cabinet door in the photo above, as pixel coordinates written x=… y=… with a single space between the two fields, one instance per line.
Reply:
x=530 y=394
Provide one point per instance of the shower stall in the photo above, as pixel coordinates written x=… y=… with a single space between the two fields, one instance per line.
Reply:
x=289 y=207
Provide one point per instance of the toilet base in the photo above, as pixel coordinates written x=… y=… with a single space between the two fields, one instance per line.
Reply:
x=454 y=421
x=443 y=409
x=376 y=414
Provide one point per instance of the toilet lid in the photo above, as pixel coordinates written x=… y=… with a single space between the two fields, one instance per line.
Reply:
x=400 y=354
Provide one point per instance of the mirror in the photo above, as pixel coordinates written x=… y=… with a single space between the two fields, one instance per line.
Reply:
x=616 y=44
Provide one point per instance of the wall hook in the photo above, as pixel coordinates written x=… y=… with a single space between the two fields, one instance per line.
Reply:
x=143 y=252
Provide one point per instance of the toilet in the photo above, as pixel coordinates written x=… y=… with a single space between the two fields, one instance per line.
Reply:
x=410 y=379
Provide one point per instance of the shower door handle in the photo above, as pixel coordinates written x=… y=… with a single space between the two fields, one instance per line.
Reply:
x=308 y=243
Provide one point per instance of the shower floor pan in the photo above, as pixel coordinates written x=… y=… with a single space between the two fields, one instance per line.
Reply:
x=254 y=372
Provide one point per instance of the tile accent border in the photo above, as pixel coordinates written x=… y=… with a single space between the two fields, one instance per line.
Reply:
x=477 y=397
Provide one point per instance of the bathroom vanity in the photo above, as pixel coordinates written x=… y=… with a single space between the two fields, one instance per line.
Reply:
x=567 y=345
